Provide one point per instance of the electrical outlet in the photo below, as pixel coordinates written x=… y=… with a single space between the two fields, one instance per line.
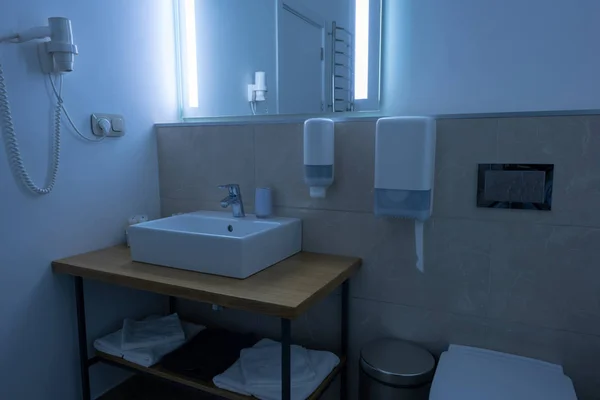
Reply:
x=116 y=124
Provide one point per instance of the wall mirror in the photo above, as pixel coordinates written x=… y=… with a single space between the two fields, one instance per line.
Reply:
x=273 y=57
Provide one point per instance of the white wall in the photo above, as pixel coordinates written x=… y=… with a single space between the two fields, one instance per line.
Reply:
x=473 y=56
x=119 y=70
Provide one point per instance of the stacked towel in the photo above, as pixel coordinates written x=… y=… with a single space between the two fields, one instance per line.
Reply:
x=261 y=386
x=148 y=355
x=262 y=366
x=151 y=332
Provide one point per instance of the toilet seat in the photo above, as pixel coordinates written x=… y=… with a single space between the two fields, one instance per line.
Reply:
x=469 y=373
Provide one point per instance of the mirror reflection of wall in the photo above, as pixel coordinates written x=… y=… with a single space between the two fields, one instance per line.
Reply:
x=315 y=56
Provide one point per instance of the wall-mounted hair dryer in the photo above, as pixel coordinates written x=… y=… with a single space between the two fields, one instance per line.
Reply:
x=56 y=55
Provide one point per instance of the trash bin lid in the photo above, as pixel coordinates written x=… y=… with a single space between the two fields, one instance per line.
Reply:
x=397 y=362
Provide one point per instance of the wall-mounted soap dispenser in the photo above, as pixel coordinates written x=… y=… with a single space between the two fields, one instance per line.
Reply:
x=404 y=171
x=257 y=91
x=318 y=155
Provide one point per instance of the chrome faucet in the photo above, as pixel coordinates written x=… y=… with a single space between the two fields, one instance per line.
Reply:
x=234 y=199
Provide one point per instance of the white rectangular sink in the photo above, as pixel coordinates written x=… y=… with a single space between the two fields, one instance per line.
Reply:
x=215 y=242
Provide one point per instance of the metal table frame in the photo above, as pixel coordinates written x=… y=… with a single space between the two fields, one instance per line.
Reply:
x=286 y=340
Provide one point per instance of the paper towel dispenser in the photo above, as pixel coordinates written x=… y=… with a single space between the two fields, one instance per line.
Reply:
x=404 y=171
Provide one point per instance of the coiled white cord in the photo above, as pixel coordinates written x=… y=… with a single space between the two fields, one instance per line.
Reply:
x=59 y=99
x=12 y=144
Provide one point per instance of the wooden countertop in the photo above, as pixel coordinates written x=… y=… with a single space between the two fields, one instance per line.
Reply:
x=285 y=290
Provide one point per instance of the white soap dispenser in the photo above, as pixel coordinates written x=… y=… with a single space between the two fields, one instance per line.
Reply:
x=318 y=155
x=404 y=171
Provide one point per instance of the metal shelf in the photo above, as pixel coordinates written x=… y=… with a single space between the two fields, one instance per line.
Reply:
x=164 y=374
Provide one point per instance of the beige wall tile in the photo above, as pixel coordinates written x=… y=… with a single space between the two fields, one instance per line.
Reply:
x=176 y=163
x=461 y=145
x=371 y=320
x=540 y=140
x=433 y=330
x=344 y=232
x=457 y=258
x=577 y=353
x=354 y=167
x=456 y=277
x=280 y=165
x=194 y=161
x=520 y=141
x=516 y=281
x=547 y=276
x=570 y=143
x=527 y=341
x=577 y=170
x=551 y=140
x=174 y=206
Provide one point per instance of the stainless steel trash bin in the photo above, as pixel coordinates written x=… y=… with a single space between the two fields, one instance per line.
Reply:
x=392 y=369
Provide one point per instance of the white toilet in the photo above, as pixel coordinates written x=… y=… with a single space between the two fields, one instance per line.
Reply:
x=469 y=373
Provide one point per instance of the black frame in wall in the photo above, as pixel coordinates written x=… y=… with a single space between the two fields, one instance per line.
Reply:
x=545 y=205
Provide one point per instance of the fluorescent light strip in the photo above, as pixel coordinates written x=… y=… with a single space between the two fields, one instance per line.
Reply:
x=361 y=54
x=191 y=67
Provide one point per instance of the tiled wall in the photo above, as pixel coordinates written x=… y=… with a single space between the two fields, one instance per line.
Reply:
x=517 y=281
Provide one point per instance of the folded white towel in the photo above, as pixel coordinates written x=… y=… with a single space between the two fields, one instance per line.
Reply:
x=147 y=356
x=151 y=332
x=323 y=362
x=262 y=366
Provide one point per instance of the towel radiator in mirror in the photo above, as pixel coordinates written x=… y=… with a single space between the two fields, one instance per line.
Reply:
x=342 y=69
